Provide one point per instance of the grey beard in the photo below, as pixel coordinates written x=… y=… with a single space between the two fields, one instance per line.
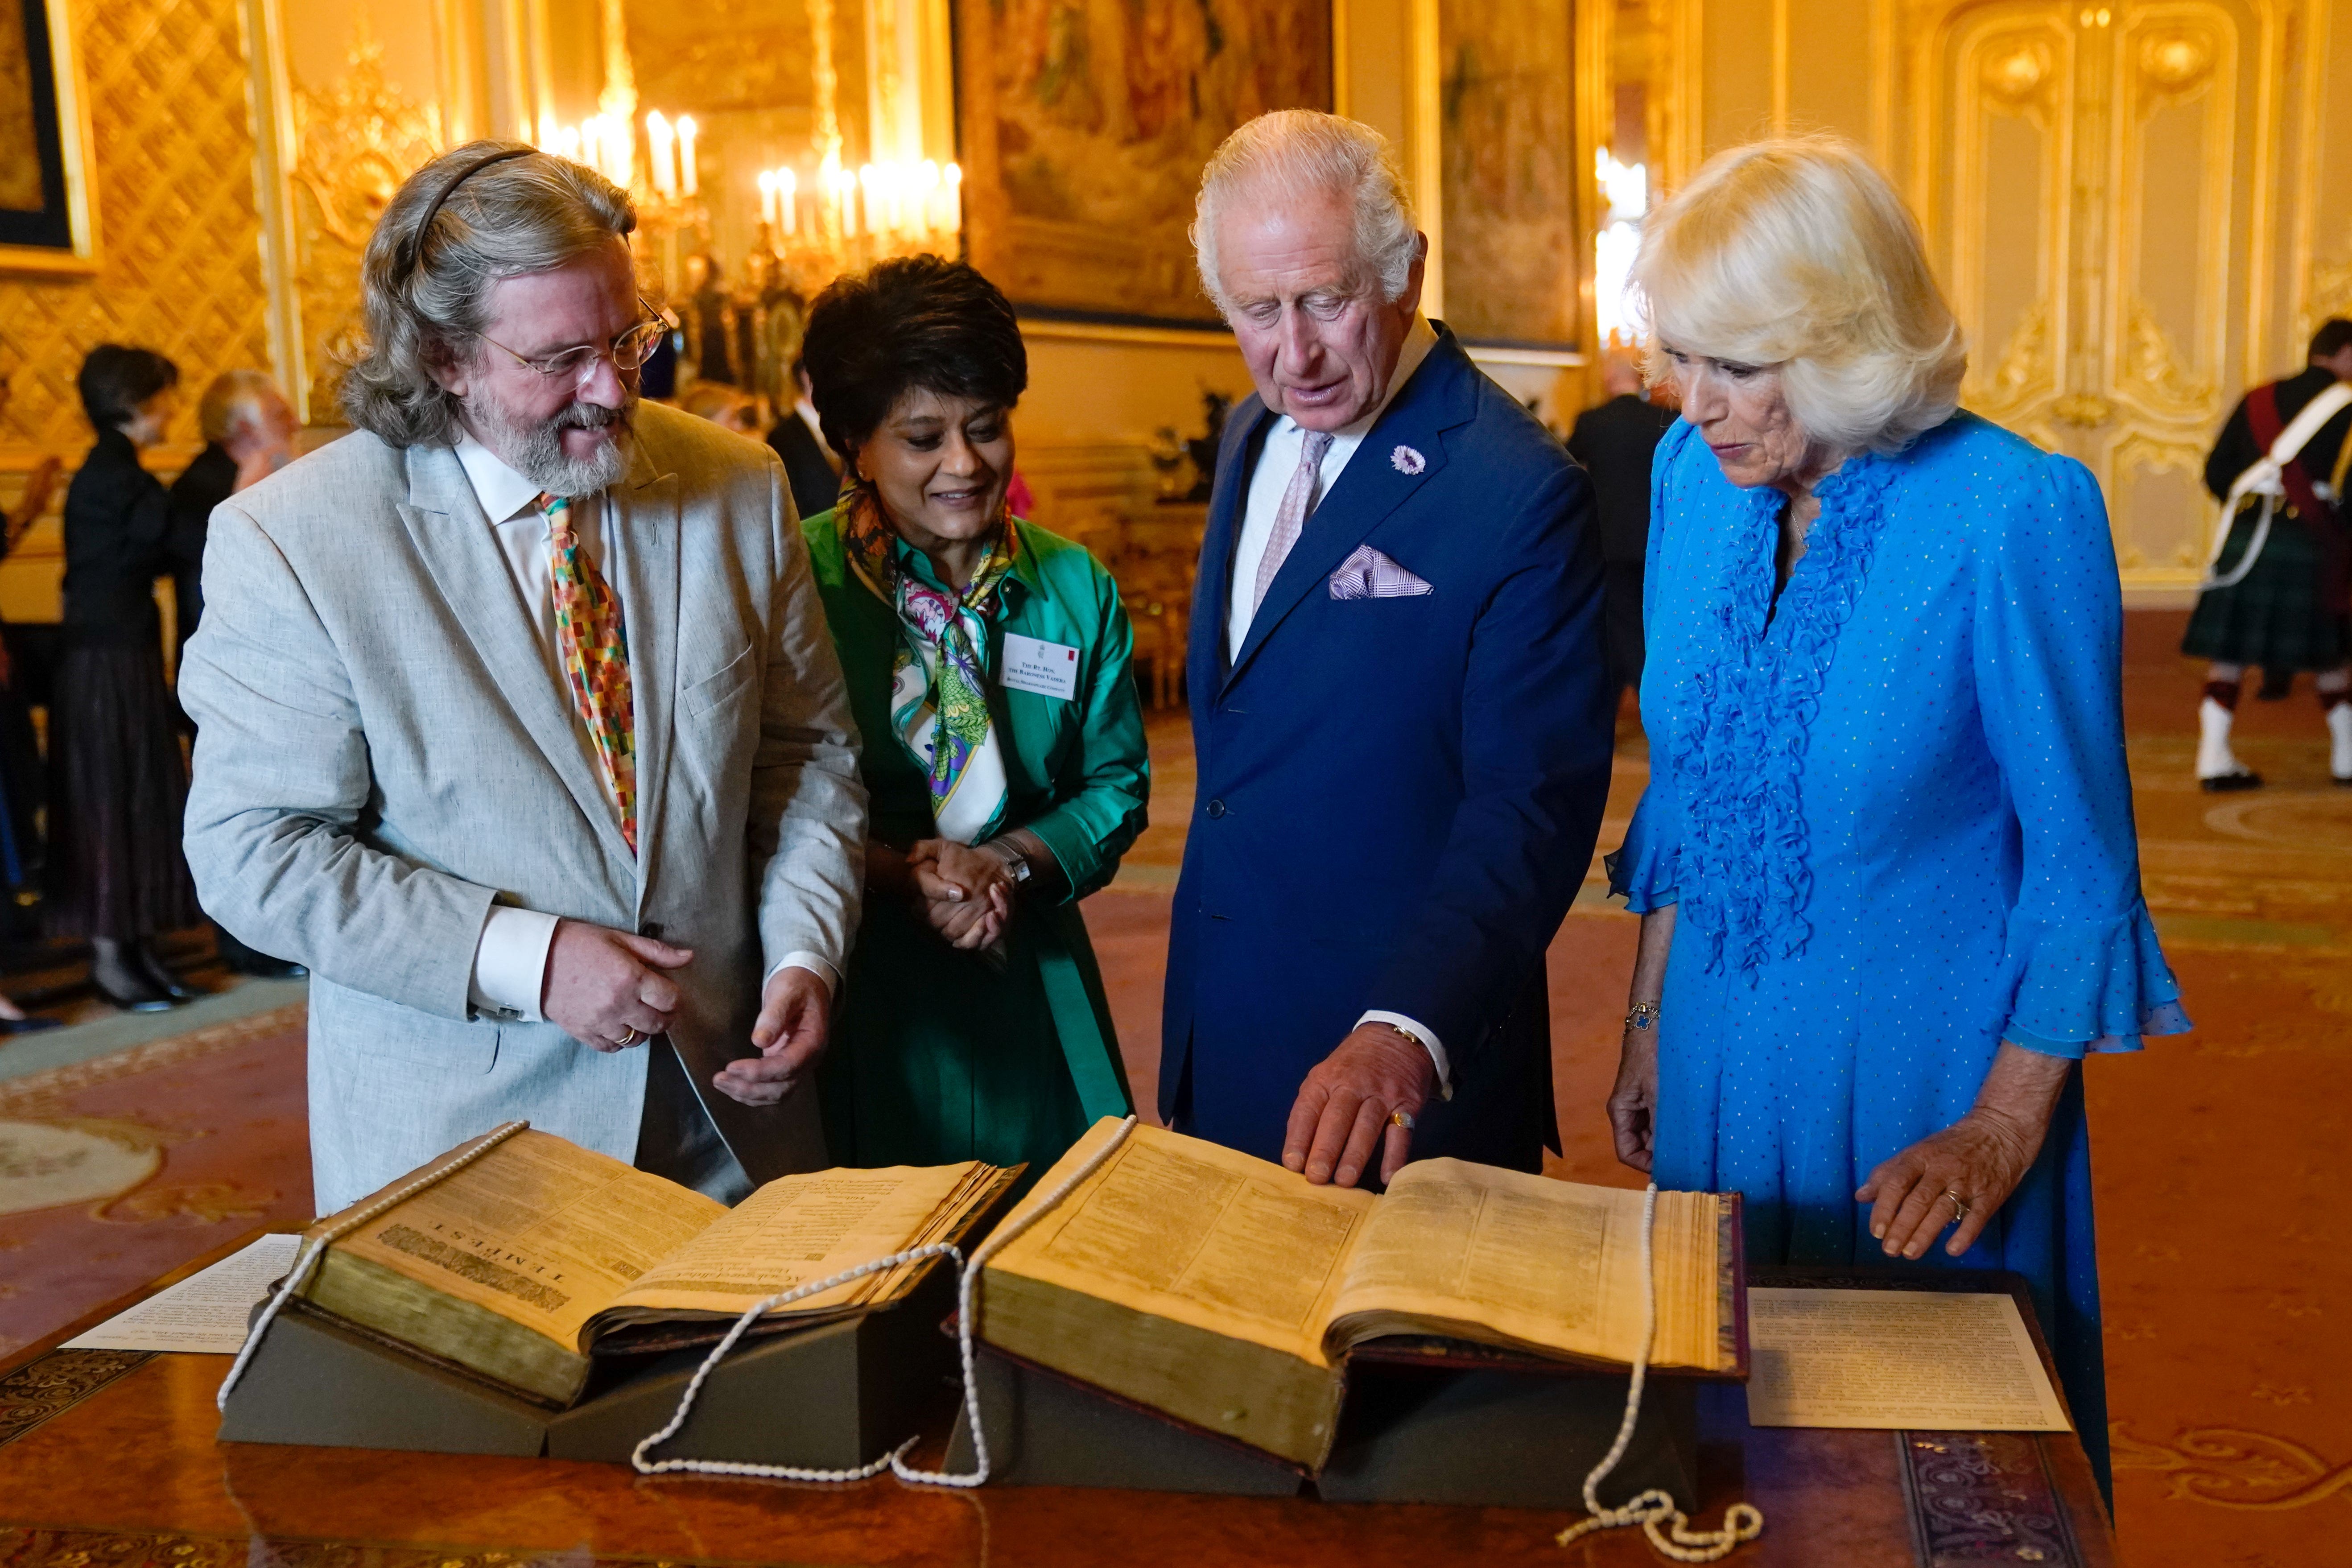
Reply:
x=536 y=451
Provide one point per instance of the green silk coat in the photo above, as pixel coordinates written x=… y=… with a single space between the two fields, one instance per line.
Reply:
x=936 y=1056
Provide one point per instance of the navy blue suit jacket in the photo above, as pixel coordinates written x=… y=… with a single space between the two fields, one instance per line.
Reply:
x=1397 y=797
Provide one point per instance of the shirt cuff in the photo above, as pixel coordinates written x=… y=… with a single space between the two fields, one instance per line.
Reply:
x=510 y=964
x=1429 y=1042
x=814 y=964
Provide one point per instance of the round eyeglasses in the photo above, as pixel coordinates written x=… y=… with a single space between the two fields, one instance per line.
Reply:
x=628 y=352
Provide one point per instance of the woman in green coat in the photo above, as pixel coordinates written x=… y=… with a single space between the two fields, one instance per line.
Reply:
x=988 y=669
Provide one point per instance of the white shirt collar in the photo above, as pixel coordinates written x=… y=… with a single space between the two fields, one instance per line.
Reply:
x=503 y=493
x=1419 y=339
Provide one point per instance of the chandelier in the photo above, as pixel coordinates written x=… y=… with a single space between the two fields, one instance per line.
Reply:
x=816 y=218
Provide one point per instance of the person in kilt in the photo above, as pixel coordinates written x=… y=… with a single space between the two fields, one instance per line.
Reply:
x=2285 y=609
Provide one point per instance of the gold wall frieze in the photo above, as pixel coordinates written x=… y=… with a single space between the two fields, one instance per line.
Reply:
x=355 y=142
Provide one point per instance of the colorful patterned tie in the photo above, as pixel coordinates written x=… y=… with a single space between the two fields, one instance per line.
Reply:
x=595 y=648
x=1290 y=517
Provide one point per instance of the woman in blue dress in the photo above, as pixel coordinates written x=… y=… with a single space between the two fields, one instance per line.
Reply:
x=1886 y=865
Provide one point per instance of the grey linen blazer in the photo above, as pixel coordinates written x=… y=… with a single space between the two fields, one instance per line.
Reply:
x=381 y=756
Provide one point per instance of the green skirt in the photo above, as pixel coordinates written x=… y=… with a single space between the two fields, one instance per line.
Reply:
x=939 y=1056
x=2275 y=617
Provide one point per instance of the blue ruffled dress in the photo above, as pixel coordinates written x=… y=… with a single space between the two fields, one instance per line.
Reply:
x=1895 y=814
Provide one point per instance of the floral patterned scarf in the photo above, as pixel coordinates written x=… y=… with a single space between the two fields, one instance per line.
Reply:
x=939 y=677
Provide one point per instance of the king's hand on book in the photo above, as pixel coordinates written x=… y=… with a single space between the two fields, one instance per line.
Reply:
x=1345 y=1109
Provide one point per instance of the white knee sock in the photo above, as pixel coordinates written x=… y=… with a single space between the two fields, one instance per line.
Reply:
x=2214 y=758
x=2339 y=736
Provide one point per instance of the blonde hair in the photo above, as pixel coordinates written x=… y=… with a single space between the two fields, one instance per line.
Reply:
x=1797 y=253
x=232 y=400
x=1303 y=152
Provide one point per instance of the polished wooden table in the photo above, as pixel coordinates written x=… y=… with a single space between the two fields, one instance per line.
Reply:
x=109 y=1459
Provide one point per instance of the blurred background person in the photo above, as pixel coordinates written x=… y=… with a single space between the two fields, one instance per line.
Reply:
x=248 y=427
x=2279 y=596
x=118 y=785
x=811 y=467
x=1885 y=865
x=988 y=664
x=1615 y=441
x=21 y=783
x=729 y=407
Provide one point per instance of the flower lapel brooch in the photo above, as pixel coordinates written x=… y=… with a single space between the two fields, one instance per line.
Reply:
x=1407 y=460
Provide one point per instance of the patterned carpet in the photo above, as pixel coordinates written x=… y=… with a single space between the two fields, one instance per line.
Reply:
x=160 y=1153
x=2218 y=1153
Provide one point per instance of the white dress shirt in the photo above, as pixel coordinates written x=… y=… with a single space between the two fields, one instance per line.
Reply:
x=1277 y=461
x=511 y=955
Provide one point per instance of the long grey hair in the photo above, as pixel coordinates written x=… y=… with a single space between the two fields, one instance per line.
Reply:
x=425 y=294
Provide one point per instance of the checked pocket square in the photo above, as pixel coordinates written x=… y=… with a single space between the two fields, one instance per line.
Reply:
x=1368 y=575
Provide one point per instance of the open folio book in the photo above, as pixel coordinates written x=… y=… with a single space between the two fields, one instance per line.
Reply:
x=522 y=1265
x=1226 y=1292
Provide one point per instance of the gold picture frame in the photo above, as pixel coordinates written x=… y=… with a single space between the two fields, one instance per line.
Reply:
x=1082 y=127
x=45 y=107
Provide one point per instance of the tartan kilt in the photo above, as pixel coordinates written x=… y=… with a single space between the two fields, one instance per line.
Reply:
x=2275 y=617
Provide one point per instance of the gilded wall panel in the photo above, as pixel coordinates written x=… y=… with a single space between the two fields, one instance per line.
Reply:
x=356 y=141
x=179 y=257
x=2010 y=83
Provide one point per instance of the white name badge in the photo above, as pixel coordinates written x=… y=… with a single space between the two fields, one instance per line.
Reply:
x=1033 y=663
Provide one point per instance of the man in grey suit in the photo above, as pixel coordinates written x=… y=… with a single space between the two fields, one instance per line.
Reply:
x=519 y=725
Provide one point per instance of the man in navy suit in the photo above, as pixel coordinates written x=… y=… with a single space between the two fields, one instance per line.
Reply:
x=1398 y=706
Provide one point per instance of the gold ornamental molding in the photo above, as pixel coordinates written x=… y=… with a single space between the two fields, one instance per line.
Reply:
x=354 y=143
x=80 y=258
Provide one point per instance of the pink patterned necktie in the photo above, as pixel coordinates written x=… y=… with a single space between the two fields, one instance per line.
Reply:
x=594 y=643
x=1297 y=506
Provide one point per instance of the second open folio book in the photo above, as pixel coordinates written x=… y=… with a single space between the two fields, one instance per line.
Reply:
x=521 y=1265
x=1225 y=1291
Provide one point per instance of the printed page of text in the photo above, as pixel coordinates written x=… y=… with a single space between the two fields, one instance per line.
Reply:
x=1921 y=1359
x=797 y=1230
x=538 y=1230
x=1199 y=1234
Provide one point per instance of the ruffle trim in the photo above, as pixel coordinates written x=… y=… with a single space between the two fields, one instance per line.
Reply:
x=2078 y=988
x=1737 y=734
x=1643 y=871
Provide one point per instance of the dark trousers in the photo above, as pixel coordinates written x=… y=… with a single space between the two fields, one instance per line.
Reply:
x=1621 y=621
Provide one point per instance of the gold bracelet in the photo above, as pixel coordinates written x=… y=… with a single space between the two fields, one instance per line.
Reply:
x=1644 y=1015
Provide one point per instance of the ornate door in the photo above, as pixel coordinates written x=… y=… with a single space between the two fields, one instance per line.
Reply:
x=2093 y=180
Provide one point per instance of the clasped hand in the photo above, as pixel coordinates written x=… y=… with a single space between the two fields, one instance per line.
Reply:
x=965 y=895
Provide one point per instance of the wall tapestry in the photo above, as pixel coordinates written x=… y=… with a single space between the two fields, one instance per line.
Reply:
x=1083 y=127
x=1511 y=237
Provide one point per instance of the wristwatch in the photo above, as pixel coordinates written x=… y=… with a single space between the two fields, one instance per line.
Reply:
x=1014 y=861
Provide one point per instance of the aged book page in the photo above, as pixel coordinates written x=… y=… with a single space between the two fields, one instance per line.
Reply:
x=1921 y=1359
x=797 y=1229
x=1514 y=1258
x=538 y=1231
x=1203 y=1235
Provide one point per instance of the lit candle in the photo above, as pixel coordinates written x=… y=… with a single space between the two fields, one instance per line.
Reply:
x=866 y=189
x=927 y=207
x=787 y=199
x=659 y=153
x=567 y=141
x=685 y=135
x=766 y=181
